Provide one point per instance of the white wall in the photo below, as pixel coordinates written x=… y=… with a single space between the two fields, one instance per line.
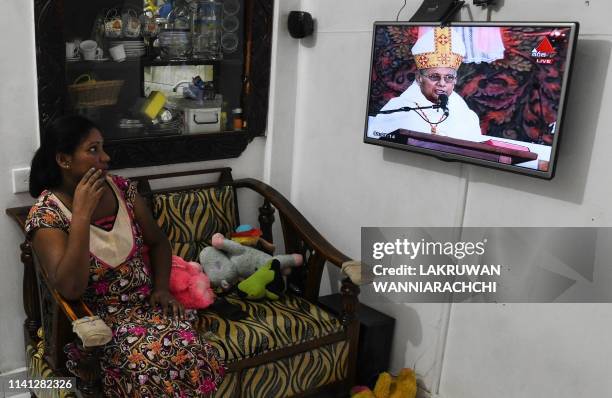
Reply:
x=278 y=161
x=341 y=184
x=18 y=134
x=545 y=350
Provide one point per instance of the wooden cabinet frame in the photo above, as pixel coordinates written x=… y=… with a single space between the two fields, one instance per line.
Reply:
x=151 y=151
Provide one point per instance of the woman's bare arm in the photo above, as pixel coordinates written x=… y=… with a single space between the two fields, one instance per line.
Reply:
x=159 y=247
x=65 y=257
x=160 y=255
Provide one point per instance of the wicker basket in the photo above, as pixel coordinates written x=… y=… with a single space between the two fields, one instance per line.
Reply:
x=92 y=94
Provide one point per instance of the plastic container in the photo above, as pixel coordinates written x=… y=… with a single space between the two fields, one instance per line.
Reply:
x=237 y=118
x=202 y=120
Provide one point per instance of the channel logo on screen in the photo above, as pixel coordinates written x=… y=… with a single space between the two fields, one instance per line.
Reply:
x=544 y=52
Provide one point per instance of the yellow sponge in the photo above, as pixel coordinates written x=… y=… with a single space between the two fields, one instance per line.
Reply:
x=154 y=104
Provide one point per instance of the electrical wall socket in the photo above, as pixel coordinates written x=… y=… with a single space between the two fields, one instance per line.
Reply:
x=21 y=180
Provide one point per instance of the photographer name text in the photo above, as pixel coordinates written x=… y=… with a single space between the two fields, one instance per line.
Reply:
x=412 y=250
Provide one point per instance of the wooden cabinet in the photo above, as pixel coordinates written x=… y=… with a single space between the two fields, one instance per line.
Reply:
x=241 y=76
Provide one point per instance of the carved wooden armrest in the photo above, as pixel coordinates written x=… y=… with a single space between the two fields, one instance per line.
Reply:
x=299 y=234
x=352 y=269
x=292 y=218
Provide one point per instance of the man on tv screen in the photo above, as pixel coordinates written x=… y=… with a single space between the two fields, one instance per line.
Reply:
x=437 y=55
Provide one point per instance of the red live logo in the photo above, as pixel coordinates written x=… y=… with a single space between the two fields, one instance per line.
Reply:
x=544 y=52
x=547 y=61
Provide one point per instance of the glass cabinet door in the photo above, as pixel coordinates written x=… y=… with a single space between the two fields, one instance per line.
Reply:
x=161 y=78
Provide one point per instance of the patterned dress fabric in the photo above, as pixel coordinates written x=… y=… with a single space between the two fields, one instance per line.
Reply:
x=149 y=355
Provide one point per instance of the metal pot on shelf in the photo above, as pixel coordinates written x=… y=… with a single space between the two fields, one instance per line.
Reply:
x=175 y=44
x=175 y=37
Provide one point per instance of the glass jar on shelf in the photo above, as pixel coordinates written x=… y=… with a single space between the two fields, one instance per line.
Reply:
x=181 y=16
x=174 y=38
x=207 y=22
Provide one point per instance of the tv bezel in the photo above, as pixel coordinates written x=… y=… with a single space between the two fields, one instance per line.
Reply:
x=554 y=153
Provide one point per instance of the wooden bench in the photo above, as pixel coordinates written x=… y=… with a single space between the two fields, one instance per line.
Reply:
x=314 y=352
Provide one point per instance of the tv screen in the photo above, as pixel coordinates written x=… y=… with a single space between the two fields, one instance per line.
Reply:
x=486 y=93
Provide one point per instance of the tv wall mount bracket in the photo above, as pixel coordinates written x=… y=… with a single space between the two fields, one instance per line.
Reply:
x=437 y=10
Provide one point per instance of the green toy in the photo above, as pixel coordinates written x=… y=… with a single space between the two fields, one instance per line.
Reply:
x=227 y=262
x=267 y=281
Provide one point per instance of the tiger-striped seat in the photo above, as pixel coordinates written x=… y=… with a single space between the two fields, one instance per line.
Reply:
x=190 y=218
x=38 y=368
x=271 y=325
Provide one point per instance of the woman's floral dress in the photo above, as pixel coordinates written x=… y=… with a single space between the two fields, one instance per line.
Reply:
x=149 y=355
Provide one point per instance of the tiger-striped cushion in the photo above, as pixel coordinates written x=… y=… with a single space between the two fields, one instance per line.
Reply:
x=290 y=376
x=271 y=325
x=38 y=368
x=190 y=218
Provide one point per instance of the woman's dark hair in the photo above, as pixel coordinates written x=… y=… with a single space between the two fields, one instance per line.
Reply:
x=62 y=136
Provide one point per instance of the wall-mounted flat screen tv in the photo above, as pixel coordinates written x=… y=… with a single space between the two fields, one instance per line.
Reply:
x=487 y=93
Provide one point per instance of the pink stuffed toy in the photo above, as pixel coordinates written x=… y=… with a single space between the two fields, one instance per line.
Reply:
x=189 y=285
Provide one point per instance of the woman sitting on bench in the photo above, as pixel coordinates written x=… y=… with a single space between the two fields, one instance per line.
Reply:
x=90 y=231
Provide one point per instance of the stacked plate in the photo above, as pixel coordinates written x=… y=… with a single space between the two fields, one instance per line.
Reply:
x=133 y=48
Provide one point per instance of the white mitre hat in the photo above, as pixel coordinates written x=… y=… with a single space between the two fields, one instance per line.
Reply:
x=439 y=48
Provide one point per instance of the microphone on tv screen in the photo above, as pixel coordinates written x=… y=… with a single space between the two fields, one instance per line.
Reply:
x=443 y=103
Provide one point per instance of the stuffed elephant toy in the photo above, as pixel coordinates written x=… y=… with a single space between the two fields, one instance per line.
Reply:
x=226 y=262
